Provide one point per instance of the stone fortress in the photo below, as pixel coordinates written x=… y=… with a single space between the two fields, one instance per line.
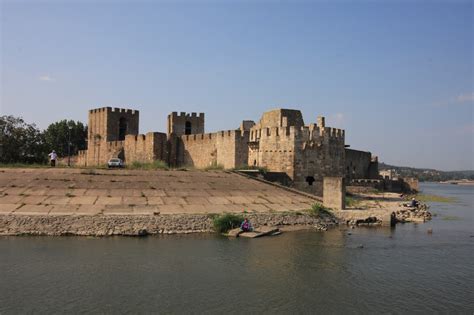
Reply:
x=294 y=153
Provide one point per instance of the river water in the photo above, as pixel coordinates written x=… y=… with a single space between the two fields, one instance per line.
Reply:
x=398 y=270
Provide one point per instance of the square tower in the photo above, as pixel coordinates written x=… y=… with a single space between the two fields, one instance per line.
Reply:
x=185 y=124
x=112 y=124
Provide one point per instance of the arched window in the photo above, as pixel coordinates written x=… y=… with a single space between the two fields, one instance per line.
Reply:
x=187 y=128
x=310 y=180
x=122 y=128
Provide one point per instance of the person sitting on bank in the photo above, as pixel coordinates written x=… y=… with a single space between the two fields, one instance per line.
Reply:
x=246 y=226
x=414 y=203
x=53 y=156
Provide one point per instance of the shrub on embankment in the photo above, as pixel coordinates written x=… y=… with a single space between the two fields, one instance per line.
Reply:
x=318 y=209
x=225 y=222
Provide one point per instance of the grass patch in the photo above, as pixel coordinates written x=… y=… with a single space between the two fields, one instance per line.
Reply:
x=434 y=198
x=227 y=221
x=351 y=201
x=318 y=209
x=155 y=165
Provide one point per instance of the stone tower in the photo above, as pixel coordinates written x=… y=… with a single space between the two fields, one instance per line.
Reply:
x=185 y=124
x=107 y=130
x=112 y=124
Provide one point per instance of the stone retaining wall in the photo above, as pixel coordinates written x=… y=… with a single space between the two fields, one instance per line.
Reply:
x=102 y=225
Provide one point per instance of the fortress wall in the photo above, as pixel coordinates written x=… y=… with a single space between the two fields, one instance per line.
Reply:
x=320 y=152
x=357 y=164
x=275 y=150
x=242 y=148
x=198 y=150
x=100 y=152
x=145 y=148
x=226 y=148
x=231 y=147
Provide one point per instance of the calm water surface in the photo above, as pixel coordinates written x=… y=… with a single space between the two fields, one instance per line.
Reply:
x=398 y=270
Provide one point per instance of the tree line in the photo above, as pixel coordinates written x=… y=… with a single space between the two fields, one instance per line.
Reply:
x=21 y=142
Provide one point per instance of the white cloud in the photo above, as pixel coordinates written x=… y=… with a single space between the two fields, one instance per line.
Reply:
x=465 y=98
x=46 y=78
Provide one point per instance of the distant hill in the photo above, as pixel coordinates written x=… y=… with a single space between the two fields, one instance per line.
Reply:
x=427 y=174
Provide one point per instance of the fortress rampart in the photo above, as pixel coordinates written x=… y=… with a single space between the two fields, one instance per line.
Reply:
x=279 y=142
x=225 y=148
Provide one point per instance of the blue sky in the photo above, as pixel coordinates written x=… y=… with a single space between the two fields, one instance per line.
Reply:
x=397 y=76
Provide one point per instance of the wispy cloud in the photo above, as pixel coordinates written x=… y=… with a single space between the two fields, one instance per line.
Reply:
x=469 y=97
x=46 y=78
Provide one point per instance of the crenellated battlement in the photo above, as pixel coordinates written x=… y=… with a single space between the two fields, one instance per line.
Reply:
x=312 y=132
x=184 y=115
x=206 y=137
x=114 y=110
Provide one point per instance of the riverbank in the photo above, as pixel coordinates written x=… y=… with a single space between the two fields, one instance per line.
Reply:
x=138 y=202
x=136 y=225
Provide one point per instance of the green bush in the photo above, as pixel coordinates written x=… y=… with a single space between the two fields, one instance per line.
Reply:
x=318 y=209
x=227 y=221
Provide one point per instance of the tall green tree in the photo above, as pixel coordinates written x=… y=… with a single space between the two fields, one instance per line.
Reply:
x=21 y=142
x=58 y=134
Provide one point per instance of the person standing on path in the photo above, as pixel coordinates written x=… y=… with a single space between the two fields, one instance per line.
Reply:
x=53 y=156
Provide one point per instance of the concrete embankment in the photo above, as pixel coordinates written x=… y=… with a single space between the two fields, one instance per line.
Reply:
x=133 y=225
x=127 y=202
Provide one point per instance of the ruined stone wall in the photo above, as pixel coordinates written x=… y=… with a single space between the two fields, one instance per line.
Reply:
x=177 y=123
x=225 y=148
x=145 y=148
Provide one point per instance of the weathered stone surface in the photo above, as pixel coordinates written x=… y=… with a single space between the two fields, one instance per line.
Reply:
x=334 y=193
x=225 y=192
x=6 y=208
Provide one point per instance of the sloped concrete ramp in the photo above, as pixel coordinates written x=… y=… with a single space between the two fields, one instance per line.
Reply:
x=63 y=191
